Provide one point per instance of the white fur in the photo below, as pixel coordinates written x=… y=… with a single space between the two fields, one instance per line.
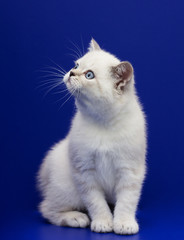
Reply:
x=103 y=157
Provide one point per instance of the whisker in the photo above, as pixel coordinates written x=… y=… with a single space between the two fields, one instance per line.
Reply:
x=67 y=99
x=49 y=71
x=65 y=90
x=47 y=80
x=68 y=93
x=50 y=89
x=52 y=80
x=82 y=45
x=77 y=48
x=57 y=65
x=47 y=77
x=57 y=70
x=77 y=54
x=48 y=84
x=75 y=57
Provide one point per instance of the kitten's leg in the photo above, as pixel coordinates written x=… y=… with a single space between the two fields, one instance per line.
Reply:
x=94 y=200
x=61 y=203
x=127 y=194
x=64 y=216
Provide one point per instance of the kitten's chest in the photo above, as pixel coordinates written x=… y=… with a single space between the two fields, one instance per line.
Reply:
x=105 y=172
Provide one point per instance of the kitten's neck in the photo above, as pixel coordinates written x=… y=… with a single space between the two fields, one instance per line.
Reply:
x=107 y=115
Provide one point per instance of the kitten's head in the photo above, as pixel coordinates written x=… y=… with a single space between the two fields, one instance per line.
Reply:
x=99 y=77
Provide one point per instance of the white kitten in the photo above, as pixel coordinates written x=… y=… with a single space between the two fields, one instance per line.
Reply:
x=102 y=160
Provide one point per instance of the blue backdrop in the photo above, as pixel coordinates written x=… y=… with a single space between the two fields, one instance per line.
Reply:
x=149 y=34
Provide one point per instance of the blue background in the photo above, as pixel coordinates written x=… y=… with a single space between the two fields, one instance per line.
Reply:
x=149 y=34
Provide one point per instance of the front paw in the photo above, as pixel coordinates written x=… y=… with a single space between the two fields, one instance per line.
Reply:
x=102 y=225
x=126 y=226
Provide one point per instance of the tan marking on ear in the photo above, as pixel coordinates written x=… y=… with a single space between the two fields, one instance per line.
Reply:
x=123 y=73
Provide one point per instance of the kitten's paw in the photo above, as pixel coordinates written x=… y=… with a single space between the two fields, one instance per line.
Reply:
x=102 y=225
x=75 y=219
x=126 y=226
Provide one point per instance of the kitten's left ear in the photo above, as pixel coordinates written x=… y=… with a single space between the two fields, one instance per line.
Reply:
x=93 y=45
x=123 y=73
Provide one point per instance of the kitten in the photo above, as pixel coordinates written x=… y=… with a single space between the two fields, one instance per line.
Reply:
x=102 y=160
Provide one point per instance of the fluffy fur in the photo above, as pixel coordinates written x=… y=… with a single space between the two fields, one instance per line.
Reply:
x=102 y=160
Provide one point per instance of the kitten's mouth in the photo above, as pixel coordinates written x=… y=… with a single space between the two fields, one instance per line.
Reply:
x=70 y=84
x=69 y=81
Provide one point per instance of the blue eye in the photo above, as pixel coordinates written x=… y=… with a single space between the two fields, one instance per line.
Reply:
x=76 y=66
x=89 y=75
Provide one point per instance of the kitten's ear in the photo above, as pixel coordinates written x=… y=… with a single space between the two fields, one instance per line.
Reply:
x=122 y=73
x=93 y=45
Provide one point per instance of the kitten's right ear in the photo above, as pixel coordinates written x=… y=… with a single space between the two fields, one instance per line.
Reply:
x=122 y=73
x=93 y=45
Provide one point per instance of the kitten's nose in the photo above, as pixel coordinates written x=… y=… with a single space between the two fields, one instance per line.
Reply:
x=72 y=74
